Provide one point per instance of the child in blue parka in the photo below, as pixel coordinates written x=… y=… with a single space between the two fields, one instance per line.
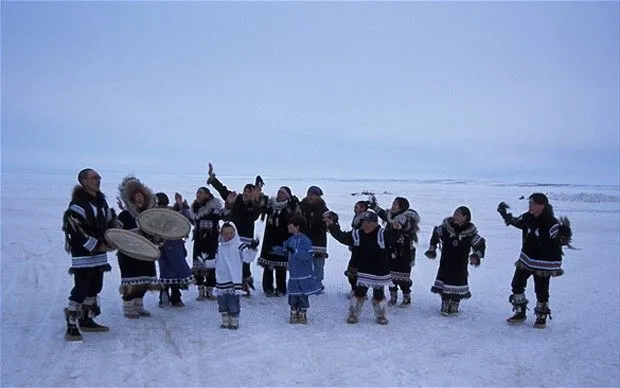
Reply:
x=301 y=281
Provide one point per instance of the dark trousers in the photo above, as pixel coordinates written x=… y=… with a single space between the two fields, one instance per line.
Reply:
x=377 y=293
x=246 y=270
x=405 y=286
x=87 y=282
x=280 y=279
x=174 y=293
x=205 y=278
x=136 y=292
x=352 y=282
x=541 y=284
x=298 y=302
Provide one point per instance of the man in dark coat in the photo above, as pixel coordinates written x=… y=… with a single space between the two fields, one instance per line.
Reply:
x=541 y=255
x=368 y=246
x=313 y=208
x=84 y=224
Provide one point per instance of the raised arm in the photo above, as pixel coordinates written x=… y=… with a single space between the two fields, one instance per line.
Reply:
x=509 y=219
x=217 y=185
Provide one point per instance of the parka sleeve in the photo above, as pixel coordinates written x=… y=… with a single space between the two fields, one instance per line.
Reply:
x=345 y=238
x=435 y=238
x=478 y=245
x=219 y=187
x=247 y=254
x=75 y=228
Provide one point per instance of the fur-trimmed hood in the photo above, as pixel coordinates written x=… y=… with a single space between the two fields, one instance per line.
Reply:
x=468 y=229
x=407 y=217
x=128 y=187
x=80 y=195
x=201 y=210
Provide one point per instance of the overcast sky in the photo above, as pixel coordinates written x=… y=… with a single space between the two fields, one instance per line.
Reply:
x=523 y=91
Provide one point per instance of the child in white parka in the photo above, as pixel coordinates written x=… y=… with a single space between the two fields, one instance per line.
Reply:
x=231 y=253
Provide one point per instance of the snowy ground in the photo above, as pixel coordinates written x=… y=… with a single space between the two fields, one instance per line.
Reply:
x=186 y=347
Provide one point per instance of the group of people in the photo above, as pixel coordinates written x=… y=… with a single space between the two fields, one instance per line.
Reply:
x=294 y=243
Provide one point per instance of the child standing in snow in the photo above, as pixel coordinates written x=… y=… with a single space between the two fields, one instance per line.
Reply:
x=231 y=253
x=301 y=281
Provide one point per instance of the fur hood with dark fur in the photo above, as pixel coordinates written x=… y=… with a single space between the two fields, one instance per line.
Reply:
x=128 y=187
x=81 y=195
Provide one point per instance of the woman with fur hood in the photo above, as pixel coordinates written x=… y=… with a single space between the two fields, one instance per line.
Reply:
x=279 y=210
x=457 y=237
x=205 y=214
x=137 y=276
x=402 y=225
x=228 y=263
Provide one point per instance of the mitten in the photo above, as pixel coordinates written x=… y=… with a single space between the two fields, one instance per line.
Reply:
x=474 y=260
x=502 y=209
x=431 y=253
x=254 y=244
x=290 y=249
x=565 y=233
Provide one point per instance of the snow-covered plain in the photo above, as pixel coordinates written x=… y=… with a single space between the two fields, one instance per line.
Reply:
x=419 y=347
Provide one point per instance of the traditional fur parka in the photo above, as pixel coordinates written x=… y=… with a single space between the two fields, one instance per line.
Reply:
x=402 y=245
x=205 y=217
x=276 y=230
x=84 y=225
x=298 y=249
x=370 y=254
x=134 y=272
x=243 y=214
x=228 y=264
x=541 y=251
x=456 y=242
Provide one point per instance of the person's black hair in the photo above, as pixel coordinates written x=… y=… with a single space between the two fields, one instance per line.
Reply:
x=363 y=204
x=402 y=202
x=298 y=220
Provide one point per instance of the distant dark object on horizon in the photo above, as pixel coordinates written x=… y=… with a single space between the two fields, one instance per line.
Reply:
x=366 y=192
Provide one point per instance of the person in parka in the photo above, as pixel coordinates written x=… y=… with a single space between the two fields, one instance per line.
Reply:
x=280 y=209
x=205 y=213
x=137 y=276
x=402 y=223
x=359 y=209
x=84 y=225
x=313 y=208
x=174 y=273
x=228 y=262
x=243 y=210
x=457 y=236
x=373 y=268
x=541 y=255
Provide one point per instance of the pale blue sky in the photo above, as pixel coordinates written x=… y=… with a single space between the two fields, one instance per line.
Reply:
x=524 y=91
